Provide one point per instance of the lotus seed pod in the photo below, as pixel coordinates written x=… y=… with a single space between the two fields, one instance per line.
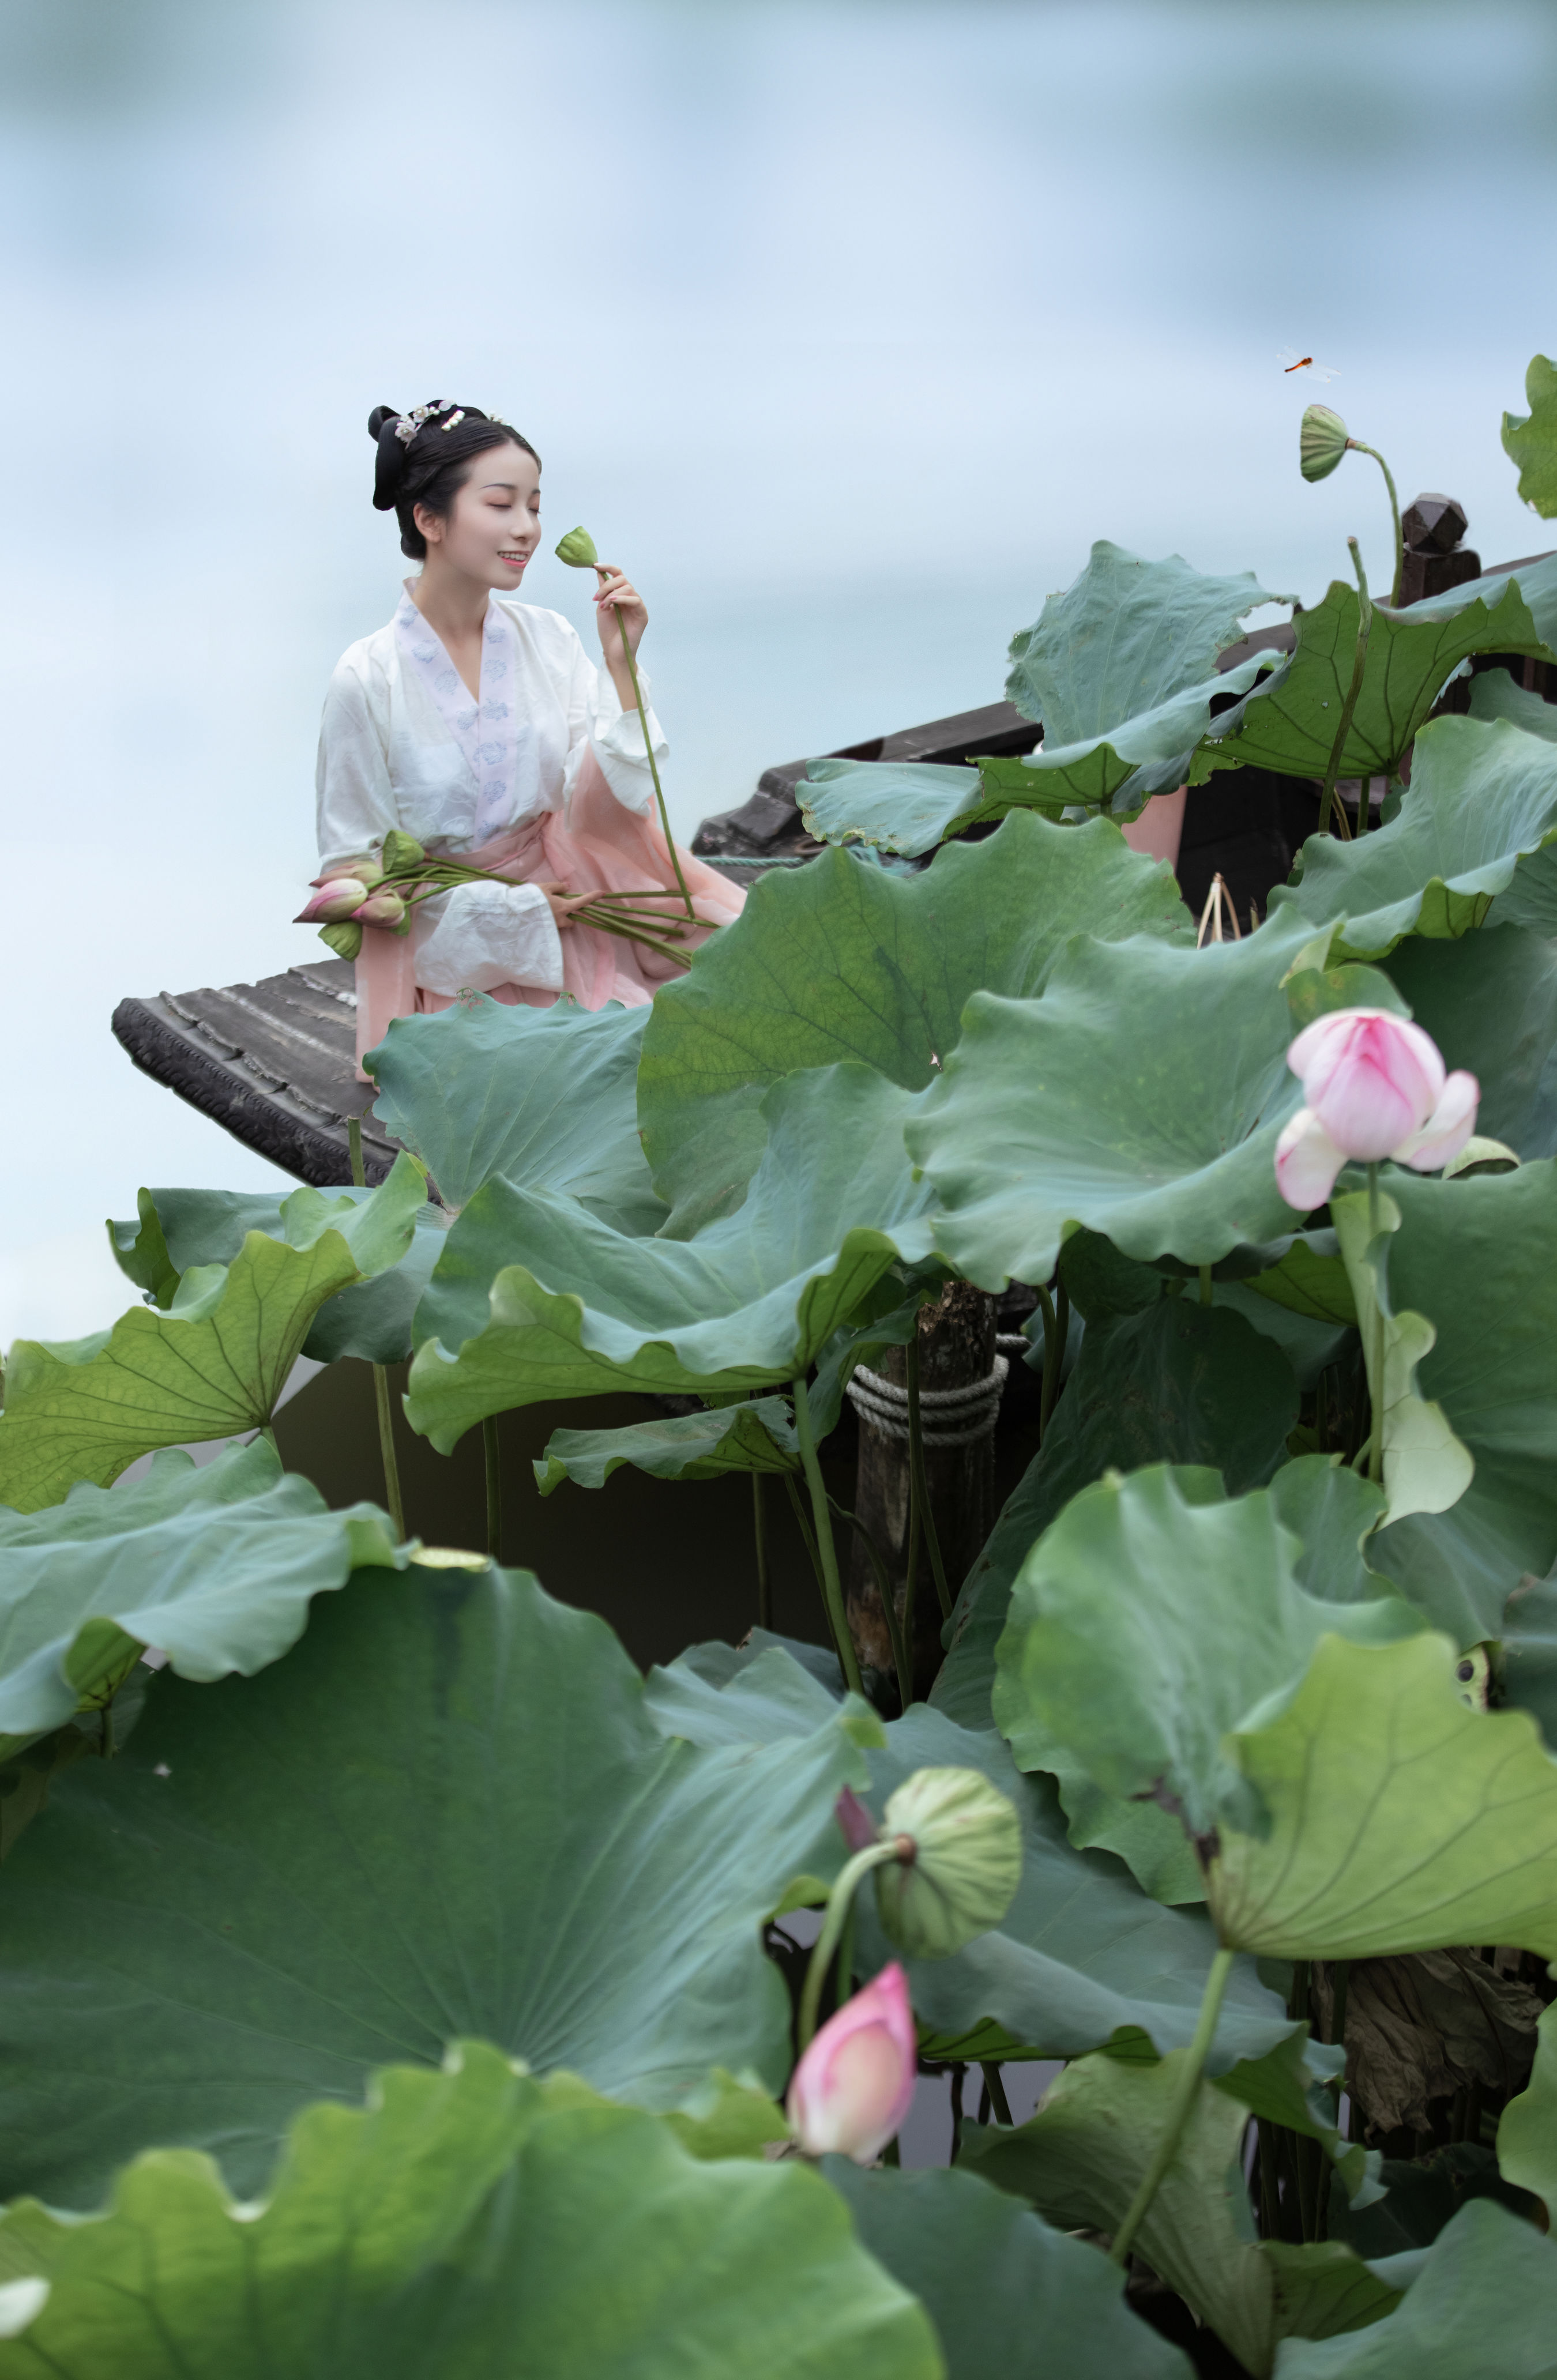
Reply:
x=578 y=549
x=1321 y=442
x=965 y=1864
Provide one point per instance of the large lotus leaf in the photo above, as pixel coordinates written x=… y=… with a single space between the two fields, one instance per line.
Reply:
x=1008 y=2294
x=215 y=1565
x=474 y=2224
x=1484 y=2302
x=1527 y=2127
x=1476 y=1258
x=1332 y=1511
x=446 y=1814
x=1150 y=1618
x=911 y=807
x=756 y=1437
x=1177 y=1382
x=213 y=1366
x=1309 y=1277
x=543 y=1096
x=177 y=1228
x=1080 y=1957
x=838 y=960
x=1141 y=1096
x=1290 y=722
x=1531 y=439
x=1527 y=1652
x=1081 y=2157
x=538 y=1298
x=1494 y=694
x=1491 y=1003
x=1482 y=797
x=1426 y=1469
x=1393 y=1817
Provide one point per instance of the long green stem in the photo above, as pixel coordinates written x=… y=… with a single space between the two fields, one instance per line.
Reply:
x=1056 y=1330
x=919 y=1482
x=760 y=1536
x=1375 y=1445
x=654 y=770
x=1360 y=663
x=1394 y=514
x=838 y=1902
x=833 y=1594
x=1181 y=2106
x=994 y=2084
x=1206 y=1298
x=380 y=1378
x=495 y=1487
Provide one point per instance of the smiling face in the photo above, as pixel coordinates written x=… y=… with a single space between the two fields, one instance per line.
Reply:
x=494 y=525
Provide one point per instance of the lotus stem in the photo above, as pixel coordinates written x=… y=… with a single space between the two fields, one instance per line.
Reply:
x=765 y=1584
x=994 y=2084
x=1205 y=1285
x=1376 y=1442
x=1365 y=623
x=1056 y=1330
x=495 y=1487
x=380 y=1378
x=918 y=1483
x=827 y=1553
x=839 y=1901
x=648 y=748
x=1181 y=2106
x=1357 y=446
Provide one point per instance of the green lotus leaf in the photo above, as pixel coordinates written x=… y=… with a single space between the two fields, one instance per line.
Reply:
x=474 y=2223
x=983 y=2266
x=1294 y=2086
x=1080 y=1957
x=446 y=1814
x=903 y=805
x=758 y=1437
x=839 y=960
x=1148 y=1620
x=1177 y=1381
x=1476 y=1261
x=750 y=1301
x=1081 y=2157
x=1309 y=1277
x=1527 y=1652
x=1491 y=1003
x=1494 y=694
x=178 y=1229
x=1531 y=439
x=1426 y=1467
x=1393 y=1817
x=1483 y=798
x=543 y=1096
x=1332 y=1511
x=216 y=1566
x=1289 y=723
x=1527 y=2127
x=766 y=1689
x=1485 y=2301
x=1141 y=1096
x=213 y=1366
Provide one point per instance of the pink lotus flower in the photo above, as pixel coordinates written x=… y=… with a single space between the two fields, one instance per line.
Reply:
x=1374 y=1087
x=855 y=2084
x=337 y=897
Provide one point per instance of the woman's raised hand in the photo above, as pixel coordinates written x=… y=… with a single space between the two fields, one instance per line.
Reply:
x=562 y=904
x=618 y=605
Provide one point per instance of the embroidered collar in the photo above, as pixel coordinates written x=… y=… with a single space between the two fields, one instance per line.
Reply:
x=487 y=730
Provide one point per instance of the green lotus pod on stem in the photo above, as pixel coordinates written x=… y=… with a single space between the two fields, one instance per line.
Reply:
x=965 y=1865
x=578 y=549
x=1322 y=439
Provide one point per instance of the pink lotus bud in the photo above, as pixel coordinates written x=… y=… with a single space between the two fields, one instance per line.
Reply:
x=853 y=2086
x=856 y=1825
x=1448 y=1128
x=338 y=896
x=379 y=909
x=1371 y=1078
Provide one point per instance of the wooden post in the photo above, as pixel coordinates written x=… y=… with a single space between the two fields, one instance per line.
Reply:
x=956 y=1349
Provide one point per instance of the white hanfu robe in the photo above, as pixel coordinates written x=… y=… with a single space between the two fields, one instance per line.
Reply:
x=544 y=776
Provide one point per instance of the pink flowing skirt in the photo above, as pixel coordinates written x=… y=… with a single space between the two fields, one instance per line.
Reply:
x=604 y=848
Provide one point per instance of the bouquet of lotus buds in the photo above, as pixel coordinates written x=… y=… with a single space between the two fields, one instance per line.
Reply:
x=385 y=892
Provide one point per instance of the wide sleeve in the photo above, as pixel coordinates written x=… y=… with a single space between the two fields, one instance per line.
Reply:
x=356 y=807
x=597 y=722
x=478 y=935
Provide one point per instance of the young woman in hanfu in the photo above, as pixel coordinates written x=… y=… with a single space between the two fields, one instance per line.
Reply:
x=482 y=727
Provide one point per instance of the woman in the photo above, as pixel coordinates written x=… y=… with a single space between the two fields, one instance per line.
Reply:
x=480 y=726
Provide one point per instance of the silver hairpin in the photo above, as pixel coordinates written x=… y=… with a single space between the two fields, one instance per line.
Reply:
x=409 y=424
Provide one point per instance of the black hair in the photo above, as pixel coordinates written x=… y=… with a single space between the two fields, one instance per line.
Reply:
x=431 y=465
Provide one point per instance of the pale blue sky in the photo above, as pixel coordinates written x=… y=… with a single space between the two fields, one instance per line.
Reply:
x=847 y=328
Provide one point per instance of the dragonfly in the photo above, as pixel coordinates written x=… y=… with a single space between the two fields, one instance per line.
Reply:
x=1291 y=361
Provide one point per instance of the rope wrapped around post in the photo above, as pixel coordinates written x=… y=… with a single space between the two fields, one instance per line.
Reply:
x=952 y=1416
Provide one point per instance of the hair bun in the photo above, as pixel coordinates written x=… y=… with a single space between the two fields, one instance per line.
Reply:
x=389 y=471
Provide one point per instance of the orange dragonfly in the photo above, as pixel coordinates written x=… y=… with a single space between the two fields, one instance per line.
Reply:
x=1291 y=361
